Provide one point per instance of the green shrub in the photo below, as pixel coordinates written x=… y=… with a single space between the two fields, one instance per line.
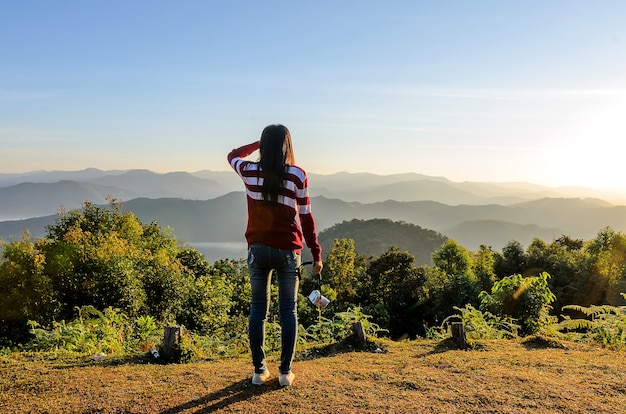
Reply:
x=525 y=299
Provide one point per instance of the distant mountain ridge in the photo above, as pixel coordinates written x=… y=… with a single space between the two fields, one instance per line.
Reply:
x=145 y=183
x=223 y=219
x=28 y=200
x=367 y=188
x=42 y=195
x=18 y=201
x=207 y=208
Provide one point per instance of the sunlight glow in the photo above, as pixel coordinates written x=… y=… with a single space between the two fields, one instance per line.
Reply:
x=597 y=149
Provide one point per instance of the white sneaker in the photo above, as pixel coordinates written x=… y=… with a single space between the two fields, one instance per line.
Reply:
x=259 y=379
x=286 y=379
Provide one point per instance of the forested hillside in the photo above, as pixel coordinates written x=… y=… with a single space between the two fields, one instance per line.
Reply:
x=374 y=237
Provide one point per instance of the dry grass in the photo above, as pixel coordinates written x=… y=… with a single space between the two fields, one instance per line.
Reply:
x=410 y=377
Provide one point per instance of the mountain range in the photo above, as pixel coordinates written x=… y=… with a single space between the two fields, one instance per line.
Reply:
x=208 y=207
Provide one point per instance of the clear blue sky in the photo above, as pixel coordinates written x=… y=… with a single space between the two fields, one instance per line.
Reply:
x=470 y=90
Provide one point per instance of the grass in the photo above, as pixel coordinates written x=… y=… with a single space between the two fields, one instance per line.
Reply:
x=423 y=376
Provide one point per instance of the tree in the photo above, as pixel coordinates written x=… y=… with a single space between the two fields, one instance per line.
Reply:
x=343 y=268
x=458 y=283
x=606 y=263
x=193 y=261
x=208 y=306
x=563 y=260
x=236 y=272
x=483 y=264
x=513 y=260
x=166 y=282
x=101 y=256
x=453 y=259
x=397 y=285
x=27 y=292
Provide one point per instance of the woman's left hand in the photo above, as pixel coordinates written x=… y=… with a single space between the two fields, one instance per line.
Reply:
x=317 y=267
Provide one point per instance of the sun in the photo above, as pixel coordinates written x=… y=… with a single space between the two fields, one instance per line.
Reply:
x=594 y=155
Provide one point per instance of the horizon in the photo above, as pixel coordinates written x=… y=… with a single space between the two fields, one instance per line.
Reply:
x=619 y=193
x=525 y=93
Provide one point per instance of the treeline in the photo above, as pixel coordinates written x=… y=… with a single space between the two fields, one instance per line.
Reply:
x=102 y=257
x=105 y=258
x=373 y=237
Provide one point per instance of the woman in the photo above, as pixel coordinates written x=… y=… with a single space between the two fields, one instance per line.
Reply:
x=277 y=192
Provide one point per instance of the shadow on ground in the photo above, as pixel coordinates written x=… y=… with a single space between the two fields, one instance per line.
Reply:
x=346 y=346
x=234 y=393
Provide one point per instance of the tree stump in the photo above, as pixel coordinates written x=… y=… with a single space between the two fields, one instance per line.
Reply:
x=359 y=334
x=458 y=334
x=171 y=336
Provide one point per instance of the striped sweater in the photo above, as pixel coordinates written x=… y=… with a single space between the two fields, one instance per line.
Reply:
x=275 y=224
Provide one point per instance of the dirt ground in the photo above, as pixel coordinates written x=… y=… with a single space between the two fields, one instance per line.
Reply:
x=535 y=376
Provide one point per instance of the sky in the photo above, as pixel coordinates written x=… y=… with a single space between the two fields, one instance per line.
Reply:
x=495 y=91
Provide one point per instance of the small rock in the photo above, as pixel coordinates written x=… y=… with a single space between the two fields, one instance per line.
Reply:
x=99 y=356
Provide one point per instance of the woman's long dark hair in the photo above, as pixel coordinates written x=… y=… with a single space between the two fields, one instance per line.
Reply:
x=276 y=154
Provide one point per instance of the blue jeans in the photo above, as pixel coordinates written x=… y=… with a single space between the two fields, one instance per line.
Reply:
x=262 y=260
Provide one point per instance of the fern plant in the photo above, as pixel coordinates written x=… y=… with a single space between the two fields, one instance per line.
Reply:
x=604 y=324
x=340 y=327
x=146 y=333
x=92 y=331
x=478 y=325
